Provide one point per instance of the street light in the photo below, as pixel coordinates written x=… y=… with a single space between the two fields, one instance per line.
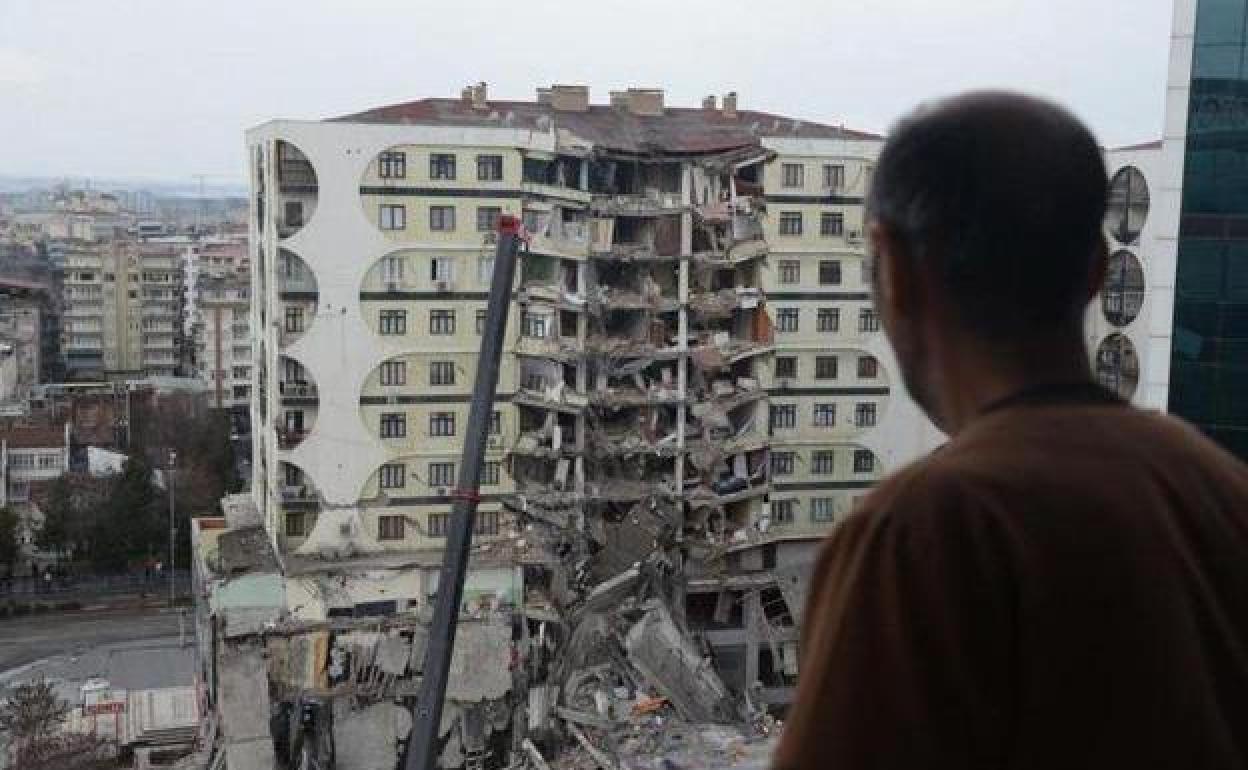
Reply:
x=173 y=458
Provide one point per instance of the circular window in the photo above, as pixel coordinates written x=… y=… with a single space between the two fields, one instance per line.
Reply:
x=1117 y=365
x=1123 y=295
x=1128 y=205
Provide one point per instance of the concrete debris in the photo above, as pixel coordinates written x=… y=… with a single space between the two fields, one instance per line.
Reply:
x=368 y=738
x=246 y=549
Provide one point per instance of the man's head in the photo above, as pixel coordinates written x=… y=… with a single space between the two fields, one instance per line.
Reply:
x=985 y=216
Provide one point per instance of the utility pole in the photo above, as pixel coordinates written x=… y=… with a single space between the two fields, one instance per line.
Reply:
x=423 y=742
x=173 y=458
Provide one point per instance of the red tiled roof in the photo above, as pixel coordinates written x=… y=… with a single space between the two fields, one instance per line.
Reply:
x=678 y=130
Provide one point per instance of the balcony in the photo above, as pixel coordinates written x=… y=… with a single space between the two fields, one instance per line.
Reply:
x=651 y=203
x=297 y=389
x=566 y=239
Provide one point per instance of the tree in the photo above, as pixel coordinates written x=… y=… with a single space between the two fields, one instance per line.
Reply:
x=60 y=517
x=130 y=526
x=10 y=547
x=33 y=718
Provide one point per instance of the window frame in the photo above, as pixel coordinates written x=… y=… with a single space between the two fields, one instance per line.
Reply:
x=392 y=425
x=866 y=414
x=442 y=218
x=441 y=474
x=391 y=526
x=492 y=215
x=441 y=373
x=828 y=320
x=392 y=321
x=442 y=321
x=823 y=414
x=832 y=224
x=783 y=463
x=491 y=162
x=823 y=462
x=392 y=476
x=789 y=271
x=864 y=467
x=791 y=223
x=442 y=165
x=392 y=164
x=392 y=373
x=391 y=217
x=790 y=363
x=788 y=319
x=441 y=424
x=826 y=367
x=868 y=367
x=782 y=416
x=834 y=176
x=792 y=175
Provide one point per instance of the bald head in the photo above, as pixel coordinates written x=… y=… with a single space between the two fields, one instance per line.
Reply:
x=997 y=199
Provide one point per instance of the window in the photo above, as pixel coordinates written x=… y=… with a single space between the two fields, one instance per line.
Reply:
x=392 y=269
x=393 y=321
x=793 y=176
x=438 y=524
x=393 y=216
x=480 y=322
x=833 y=176
x=786 y=367
x=786 y=319
x=485 y=269
x=296 y=525
x=442 y=373
x=533 y=324
x=496 y=423
x=392 y=475
x=487 y=218
x=790 y=271
x=390 y=527
x=442 y=218
x=489 y=168
x=782 y=511
x=825 y=415
x=823 y=462
x=790 y=223
x=868 y=367
x=490 y=474
x=864 y=415
x=294 y=214
x=393 y=425
x=868 y=271
x=783 y=416
x=828 y=319
x=294 y=318
x=442 y=424
x=868 y=321
x=392 y=165
x=822 y=508
x=831 y=223
x=441 y=166
x=782 y=463
x=441 y=321
x=486 y=523
x=441 y=474
x=864 y=461
x=829 y=272
x=394 y=373
x=825 y=368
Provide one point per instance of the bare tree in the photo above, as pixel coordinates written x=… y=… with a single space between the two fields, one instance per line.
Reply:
x=33 y=717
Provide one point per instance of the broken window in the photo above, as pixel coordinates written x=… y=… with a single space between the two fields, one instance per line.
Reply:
x=833 y=176
x=793 y=174
x=392 y=165
x=392 y=216
x=393 y=425
x=823 y=462
x=830 y=272
x=868 y=320
x=441 y=166
x=442 y=373
x=487 y=218
x=393 y=476
x=441 y=321
x=831 y=224
x=786 y=319
x=786 y=367
x=392 y=321
x=864 y=415
x=790 y=223
x=825 y=367
x=783 y=416
x=394 y=373
x=442 y=218
x=825 y=415
x=442 y=424
x=491 y=472
x=790 y=271
x=782 y=463
x=489 y=168
x=864 y=461
x=441 y=474
x=828 y=319
x=390 y=527
x=868 y=367
x=822 y=508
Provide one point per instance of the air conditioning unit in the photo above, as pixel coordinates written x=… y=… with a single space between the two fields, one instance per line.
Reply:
x=441 y=491
x=854 y=236
x=495 y=442
x=443 y=285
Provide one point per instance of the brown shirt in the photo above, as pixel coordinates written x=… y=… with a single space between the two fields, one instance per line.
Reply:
x=1061 y=586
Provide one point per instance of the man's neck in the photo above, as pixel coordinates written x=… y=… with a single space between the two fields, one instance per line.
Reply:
x=976 y=377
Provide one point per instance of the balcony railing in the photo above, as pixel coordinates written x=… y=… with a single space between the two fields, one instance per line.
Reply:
x=295 y=389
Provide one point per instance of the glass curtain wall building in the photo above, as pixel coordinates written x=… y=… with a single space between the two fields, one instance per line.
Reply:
x=1209 y=357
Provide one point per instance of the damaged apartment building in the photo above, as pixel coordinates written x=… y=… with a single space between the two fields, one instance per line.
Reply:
x=694 y=388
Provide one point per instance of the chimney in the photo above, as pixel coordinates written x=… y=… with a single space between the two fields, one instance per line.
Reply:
x=645 y=101
x=730 y=104
x=708 y=102
x=569 y=98
x=466 y=95
x=480 y=96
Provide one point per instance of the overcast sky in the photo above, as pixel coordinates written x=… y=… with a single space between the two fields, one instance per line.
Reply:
x=165 y=88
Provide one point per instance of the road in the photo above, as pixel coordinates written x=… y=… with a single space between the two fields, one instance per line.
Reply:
x=27 y=639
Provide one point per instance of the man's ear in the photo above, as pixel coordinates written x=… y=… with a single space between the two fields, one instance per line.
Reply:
x=895 y=283
x=1100 y=268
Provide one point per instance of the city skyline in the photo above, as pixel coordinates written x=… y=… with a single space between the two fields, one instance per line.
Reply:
x=233 y=70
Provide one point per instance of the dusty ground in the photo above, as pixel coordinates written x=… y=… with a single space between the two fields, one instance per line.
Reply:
x=27 y=639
